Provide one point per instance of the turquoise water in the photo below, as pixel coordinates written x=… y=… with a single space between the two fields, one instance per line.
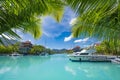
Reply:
x=55 y=67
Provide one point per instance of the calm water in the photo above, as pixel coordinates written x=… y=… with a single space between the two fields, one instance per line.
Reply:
x=55 y=67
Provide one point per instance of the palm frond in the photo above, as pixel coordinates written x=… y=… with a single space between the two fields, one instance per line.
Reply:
x=23 y=15
x=99 y=18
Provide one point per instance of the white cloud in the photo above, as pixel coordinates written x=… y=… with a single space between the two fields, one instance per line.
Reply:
x=72 y=22
x=68 y=38
x=86 y=45
x=81 y=40
x=51 y=28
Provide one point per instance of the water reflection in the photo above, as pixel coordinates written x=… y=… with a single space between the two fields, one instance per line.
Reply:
x=72 y=71
x=93 y=70
x=5 y=69
x=9 y=62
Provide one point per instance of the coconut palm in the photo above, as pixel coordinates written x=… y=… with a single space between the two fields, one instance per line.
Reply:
x=99 y=18
x=25 y=15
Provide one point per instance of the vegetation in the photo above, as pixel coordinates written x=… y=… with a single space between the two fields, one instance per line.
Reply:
x=35 y=50
x=25 y=16
x=111 y=47
x=8 y=49
x=38 y=49
x=69 y=51
x=96 y=18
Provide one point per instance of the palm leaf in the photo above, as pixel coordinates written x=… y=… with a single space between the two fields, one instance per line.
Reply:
x=99 y=18
x=23 y=15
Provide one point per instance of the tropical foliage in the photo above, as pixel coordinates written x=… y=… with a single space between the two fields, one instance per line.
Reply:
x=111 y=47
x=25 y=15
x=9 y=49
x=35 y=50
x=38 y=49
x=69 y=51
x=99 y=18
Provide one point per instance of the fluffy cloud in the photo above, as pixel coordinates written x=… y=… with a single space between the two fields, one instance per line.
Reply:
x=51 y=28
x=68 y=38
x=81 y=40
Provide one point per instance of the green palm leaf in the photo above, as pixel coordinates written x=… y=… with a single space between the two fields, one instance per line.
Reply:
x=99 y=18
x=25 y=15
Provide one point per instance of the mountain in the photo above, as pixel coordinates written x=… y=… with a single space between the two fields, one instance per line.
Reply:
x=59 y=50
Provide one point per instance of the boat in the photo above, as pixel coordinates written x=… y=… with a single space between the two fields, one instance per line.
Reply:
x=87 y=54
x=15 y=54
x=44 y=54
x=116 y=60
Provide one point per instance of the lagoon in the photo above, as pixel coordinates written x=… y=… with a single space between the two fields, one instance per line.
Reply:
x=55 y=67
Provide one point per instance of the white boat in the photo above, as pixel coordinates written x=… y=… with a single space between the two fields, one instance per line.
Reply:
x=15 y=54
x=44 y=54
x=87 y=55
x=116 y=60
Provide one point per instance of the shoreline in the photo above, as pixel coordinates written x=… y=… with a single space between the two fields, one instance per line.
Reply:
x=56 y=53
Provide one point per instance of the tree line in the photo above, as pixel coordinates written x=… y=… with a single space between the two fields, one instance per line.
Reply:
x=110 y=47
x=35 y=50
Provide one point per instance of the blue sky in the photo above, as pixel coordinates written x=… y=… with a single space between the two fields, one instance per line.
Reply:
x=58 y=35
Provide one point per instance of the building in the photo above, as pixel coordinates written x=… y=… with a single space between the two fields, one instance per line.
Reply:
x=76 y=49
x=25 y=47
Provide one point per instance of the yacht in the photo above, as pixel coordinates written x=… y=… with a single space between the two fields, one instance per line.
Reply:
x=88 y=55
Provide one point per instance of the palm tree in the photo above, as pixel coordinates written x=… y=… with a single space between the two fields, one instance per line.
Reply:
x=99 y=18
x=25 y=15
